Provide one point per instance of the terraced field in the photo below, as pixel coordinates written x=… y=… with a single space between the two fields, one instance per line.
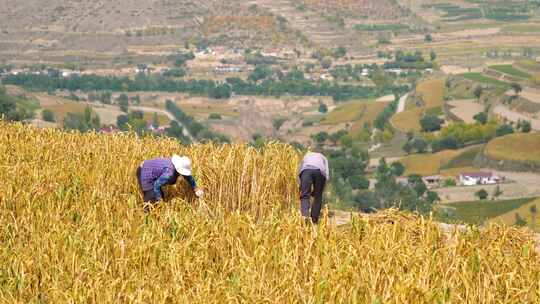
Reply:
x=408 y=120
x=521 y=147
x=429 y=163
x=510 y=70
x=355 y=112
x=432 y=92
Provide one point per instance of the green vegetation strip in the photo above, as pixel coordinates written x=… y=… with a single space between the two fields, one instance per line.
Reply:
x=510 y=70
x=477 y=212
x=479 y=77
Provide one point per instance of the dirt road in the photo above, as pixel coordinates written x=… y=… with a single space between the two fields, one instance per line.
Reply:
x=401 y=104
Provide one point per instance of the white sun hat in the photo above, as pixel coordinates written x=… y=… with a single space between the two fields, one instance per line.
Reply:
x=182 y=164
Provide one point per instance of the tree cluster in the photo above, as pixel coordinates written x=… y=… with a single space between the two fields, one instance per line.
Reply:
x=290 y=85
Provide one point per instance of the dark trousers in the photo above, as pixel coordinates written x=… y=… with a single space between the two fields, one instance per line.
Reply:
x=148 y=196
x=312 y=183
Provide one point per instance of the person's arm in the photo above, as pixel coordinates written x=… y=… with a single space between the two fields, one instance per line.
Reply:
x=299 y=172
x=162 y=180
x=327 y=169
x=191 y=181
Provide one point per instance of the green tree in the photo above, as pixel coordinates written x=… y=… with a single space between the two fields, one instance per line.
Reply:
x=482 y=194
x=320 y=137
x=323 y=108
x=124 y=105
x=504 y=129
x=260 y=72
x=516 y=87
x=481 y=118
x=433 y=55
x=48 y=115
x=122 y=121
x=430 y=123
x=339 y=52
x=214 y=116
x=428 y=38
x=478 y=90
x=336 y=136
x=420 y=145
x=397 y=168
x=407 y=147
x=525 y=126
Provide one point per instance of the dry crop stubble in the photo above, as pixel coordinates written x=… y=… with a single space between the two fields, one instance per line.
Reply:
x=73 y=231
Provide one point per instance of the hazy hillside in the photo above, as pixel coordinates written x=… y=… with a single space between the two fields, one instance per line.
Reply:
x=62 y=28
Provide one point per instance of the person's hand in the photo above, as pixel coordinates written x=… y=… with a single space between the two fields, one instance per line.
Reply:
x=199 y=192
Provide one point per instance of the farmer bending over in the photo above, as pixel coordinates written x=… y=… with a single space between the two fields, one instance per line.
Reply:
x=155 y=173
x=312 y=176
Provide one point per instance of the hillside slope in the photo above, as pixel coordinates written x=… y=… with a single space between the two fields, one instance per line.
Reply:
x=518 y=152
x=63 y=28
x=73 y=231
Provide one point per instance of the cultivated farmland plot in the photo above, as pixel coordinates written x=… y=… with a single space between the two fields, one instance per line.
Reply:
x=73 y=230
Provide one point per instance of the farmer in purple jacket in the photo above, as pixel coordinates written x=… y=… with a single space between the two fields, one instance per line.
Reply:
x=312 y=177
x=155 y=173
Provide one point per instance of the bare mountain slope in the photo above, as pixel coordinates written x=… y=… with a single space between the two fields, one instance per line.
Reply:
x=60 y=30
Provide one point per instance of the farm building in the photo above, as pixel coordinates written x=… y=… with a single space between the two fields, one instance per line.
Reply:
x=228 y=69
x=478 y=178
x=433 y=181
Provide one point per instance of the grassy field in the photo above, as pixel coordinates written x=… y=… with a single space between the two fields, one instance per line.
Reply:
x=369 y=114
x=521 y=147
x=478 y=212
x=432 y=92
x=522 y=28
x=528 y=65
x=428 y=163
x=347 y=112
x=479 y=77
x=162 y=119
x=408 y=120
x=524 y=211
x=447 y=162
x=203 y=110
x=510 y=70
x=73 y=231
x=464 y=159
x=60 y=110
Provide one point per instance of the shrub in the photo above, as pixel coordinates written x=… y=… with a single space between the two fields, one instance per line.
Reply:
x=48 y=115
x=482 y=194
x=430 y=123
x=504 y=130
x=215 y=116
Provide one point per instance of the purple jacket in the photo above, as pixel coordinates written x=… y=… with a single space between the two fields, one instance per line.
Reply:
x=152 y=169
